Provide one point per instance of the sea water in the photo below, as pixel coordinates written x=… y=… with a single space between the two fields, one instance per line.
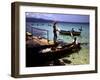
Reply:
x=83 y=56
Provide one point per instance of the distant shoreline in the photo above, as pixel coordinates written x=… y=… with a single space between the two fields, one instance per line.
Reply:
x=50 y=21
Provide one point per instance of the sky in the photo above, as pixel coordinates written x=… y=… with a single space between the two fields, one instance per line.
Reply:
x=59 y=17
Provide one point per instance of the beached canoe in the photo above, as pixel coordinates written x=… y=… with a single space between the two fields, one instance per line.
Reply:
x=74 y=33
x=35 y=56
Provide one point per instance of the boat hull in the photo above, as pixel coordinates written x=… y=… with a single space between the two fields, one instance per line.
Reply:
x=74 y=33
x=34 y=56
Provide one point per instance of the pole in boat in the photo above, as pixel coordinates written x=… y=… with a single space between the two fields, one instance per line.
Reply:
x=81 y=28
x=71 y=33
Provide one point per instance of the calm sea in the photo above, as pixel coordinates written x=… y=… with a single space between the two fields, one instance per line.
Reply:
x=48 y=30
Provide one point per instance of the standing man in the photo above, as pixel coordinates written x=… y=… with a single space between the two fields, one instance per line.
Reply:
x=55 y=32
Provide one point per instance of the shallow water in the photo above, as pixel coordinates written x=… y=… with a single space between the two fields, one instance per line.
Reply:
x=46 y=31
x=82 y=57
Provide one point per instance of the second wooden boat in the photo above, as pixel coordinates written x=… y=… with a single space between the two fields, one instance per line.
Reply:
x=74 y=33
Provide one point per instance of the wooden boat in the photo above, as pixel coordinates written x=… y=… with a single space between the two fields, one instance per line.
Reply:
x=36 y=57
x=74 y=33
